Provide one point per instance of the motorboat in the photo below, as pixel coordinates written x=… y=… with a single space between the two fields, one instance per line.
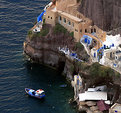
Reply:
x=37 y=94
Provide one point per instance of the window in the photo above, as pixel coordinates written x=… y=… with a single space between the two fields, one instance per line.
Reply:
x=76 y=30
x=69 y=23
x=60 y=18
x=91 y=30
x=85 y=30
x=94 y=30
x=48 y=16
x=110 y=54
x=64 y=20
x=73 y=24
x=51 y=18
x=80 y=30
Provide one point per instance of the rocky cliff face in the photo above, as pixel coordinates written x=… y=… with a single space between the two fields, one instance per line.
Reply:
x=106 y=14
x=45 y=50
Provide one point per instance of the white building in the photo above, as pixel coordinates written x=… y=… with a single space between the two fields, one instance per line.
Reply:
x=93 y=96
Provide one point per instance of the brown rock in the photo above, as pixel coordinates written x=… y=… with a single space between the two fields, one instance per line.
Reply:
x=106 y=14
x=82 y=103
x=97 y=111
x=91 y=103
x=94 y=108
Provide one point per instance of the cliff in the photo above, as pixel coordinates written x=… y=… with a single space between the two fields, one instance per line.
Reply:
x=106 y=14
x=44 y=49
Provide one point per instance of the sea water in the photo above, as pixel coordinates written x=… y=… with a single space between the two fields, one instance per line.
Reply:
x=16 y=18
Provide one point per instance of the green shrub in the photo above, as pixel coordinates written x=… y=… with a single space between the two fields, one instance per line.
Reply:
x=43 y=20
x=44 y=24
x=59 y=29
x=36 y=35
x=94 y=69
x=72 y=34
x=79 y=46
x=83 y=66
x=43 y=32
x=30 y=32
x=102 y=71
x=117 y=74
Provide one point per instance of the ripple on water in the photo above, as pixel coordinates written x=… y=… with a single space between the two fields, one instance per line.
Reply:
x=16 y=18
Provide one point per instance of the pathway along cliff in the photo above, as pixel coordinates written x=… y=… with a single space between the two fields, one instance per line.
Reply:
x=44 y=49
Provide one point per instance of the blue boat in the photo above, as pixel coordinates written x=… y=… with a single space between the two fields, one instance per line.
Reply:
x=37 y=94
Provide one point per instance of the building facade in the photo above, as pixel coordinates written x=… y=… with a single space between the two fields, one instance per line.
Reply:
x=74 y=22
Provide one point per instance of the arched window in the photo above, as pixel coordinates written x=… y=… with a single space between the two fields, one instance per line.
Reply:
x=60 y=18
x=64 y=20
x=69 y=23
x=91 y=30
x=94 y=30
x=85 y=30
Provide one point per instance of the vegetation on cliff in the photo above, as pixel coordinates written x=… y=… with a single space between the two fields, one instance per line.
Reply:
x=58 y=36
x=79 y=46
x=59 y=29
x=44 y=31
x=97 y=73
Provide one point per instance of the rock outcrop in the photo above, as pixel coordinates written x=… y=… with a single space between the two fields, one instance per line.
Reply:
x=106 y=14
x=45 y=50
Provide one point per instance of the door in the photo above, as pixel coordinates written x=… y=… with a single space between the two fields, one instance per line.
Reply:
x=85 y=40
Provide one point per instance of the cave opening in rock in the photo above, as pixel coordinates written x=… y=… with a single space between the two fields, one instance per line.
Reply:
x=61 y=66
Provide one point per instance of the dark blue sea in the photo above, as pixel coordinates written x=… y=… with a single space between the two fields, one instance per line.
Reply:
x=16 y=73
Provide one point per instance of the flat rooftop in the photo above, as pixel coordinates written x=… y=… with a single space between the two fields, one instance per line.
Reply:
x=93 y=96
x=70 y=16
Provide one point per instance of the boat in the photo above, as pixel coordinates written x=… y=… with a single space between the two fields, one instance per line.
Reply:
x=37 y=94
